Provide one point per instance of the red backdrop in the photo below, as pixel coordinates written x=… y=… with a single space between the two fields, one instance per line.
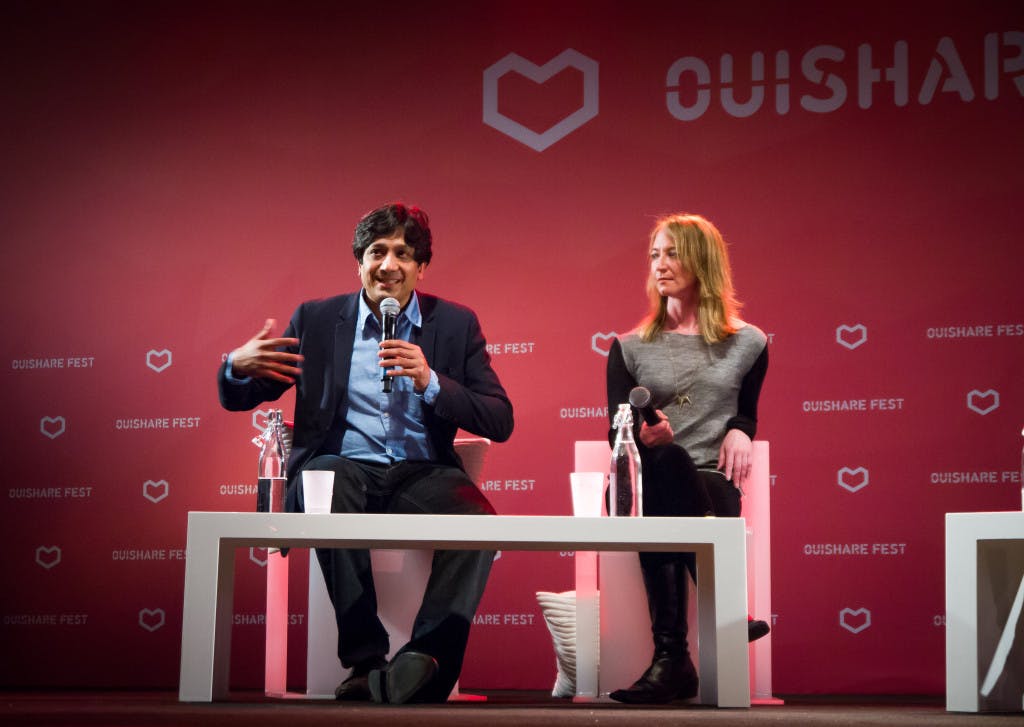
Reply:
x=172 y=176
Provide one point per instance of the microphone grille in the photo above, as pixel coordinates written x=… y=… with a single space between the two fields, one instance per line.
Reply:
x=639 y=397
x=390 y=306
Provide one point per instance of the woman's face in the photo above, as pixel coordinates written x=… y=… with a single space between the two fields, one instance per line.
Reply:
x=671 y=278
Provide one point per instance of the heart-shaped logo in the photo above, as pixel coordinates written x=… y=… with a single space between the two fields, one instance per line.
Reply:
x=259 y=419
x=158 y=360
x=983 y=402
x=851 y=336
x=52 y=427
x=254 y=556
x=155 y=491
x=852 y=479
x=602 y=342
x=855 y=621
x=152 y=619
x=568 y=58
x=48 y=556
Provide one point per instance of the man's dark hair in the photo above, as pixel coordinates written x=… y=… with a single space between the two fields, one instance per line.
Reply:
x=390 y=220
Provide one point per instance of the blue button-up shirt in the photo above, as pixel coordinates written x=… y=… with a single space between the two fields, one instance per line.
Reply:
x=383 y=427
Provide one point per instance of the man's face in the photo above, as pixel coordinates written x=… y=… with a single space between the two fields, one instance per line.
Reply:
x=388 y=270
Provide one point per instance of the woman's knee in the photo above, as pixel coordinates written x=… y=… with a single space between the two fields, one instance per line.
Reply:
x=724 y=494
x=672 y=485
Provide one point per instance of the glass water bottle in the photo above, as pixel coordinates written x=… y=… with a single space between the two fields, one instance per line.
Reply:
x=625 y=490
x=273 y=460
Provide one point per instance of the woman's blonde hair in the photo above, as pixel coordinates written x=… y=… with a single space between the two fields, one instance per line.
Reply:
x=701 y=250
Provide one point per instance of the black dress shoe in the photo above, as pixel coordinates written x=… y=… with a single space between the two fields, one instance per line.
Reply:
x=666 y=679
x=757 y=629
x=356 y=688
x=400 y=681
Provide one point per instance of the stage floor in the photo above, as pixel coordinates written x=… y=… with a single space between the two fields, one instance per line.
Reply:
x=252 y=709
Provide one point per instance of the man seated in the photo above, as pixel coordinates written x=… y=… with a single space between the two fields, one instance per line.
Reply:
x=391 y=452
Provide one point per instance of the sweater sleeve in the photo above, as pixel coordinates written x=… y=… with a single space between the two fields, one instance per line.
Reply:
x=750 y=392
x=619 y=382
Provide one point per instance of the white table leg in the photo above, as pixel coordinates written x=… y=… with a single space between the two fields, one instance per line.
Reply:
x=724 y=660
x=961 y=619
x=206 y=618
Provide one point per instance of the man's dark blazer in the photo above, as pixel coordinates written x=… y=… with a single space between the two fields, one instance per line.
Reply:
x=471 y=397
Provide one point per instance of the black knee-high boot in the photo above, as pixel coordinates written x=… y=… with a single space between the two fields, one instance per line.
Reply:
x=671 y=674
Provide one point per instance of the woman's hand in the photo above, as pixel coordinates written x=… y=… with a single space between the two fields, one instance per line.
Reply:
x=657 y=435
x=734 y=456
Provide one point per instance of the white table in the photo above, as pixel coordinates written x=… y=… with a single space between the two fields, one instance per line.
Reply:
x=984 y=588
x=719 y=545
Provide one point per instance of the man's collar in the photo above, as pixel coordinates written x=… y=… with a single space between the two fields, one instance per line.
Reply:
x=411 y=311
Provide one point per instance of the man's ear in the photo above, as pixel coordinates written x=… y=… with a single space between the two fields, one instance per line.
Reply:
x=421 y=271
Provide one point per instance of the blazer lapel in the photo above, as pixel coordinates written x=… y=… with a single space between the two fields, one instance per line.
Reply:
x=344 y=335
x=427 y=338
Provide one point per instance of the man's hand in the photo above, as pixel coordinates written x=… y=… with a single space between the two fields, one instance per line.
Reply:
x=405 y=359
x=259 y=358
x=734 y=457
x=657 y=435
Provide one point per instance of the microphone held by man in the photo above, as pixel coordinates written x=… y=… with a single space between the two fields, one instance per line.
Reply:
x=389 y=310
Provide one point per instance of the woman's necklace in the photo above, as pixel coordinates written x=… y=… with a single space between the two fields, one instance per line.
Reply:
x=681 y=383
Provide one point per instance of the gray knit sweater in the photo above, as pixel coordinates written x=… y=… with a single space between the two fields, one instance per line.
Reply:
x=704 y=389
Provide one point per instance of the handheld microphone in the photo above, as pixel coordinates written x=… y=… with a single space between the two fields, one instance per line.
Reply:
x=389 y=310
x=640 y=399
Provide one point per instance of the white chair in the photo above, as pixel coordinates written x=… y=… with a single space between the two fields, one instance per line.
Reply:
x=625 y=626
x=400 y=578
